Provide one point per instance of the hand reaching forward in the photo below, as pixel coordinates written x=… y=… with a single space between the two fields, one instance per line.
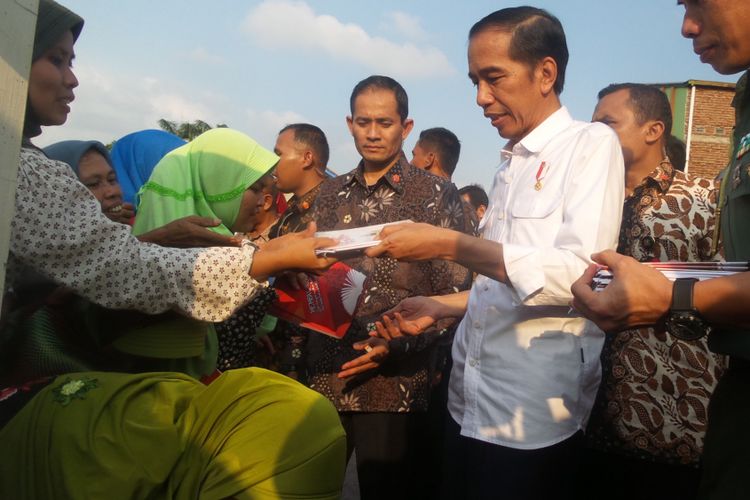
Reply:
x=189 y=232
x=413 y=242
x=637 y=294
x=292 y=252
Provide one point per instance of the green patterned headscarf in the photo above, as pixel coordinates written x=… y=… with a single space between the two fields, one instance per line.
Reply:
x=206 y=177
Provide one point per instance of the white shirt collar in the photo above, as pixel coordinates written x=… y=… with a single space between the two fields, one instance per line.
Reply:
x=545 y=131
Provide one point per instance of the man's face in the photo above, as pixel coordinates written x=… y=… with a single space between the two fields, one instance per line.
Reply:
x=290 y=169
x=377 y=128
x=421 y=158
x=613 y=110
x=507 y=90
x=720 y=30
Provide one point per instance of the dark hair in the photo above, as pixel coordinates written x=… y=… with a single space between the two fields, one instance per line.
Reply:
x=312 y=137
x=444 y=143
x=535 y=34
x=676 y=152
x=385 y=83
x=647 y=103
x=476 y=194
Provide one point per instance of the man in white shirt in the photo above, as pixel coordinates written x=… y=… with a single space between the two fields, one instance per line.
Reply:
x=525 y=369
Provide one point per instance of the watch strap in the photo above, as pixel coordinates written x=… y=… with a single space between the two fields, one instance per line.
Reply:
x=682 y=294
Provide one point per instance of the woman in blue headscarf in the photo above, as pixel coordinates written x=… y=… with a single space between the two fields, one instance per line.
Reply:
x=135 y=156
x=92 y=165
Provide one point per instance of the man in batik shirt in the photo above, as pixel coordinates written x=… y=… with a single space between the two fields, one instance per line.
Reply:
x=381 y=388
x=647 y=427
x=303 y=157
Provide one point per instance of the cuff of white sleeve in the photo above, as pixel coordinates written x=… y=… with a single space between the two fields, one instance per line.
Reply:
x=523 y=266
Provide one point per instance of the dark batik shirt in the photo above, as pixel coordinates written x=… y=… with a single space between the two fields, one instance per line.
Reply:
x=653 y=398
x=403 y=382
x=297 y=215
x=290 y=338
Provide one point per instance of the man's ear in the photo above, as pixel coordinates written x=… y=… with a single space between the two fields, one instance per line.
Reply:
x=430 y=160
x=350 y=124
x=654 y=131
x=307 y=160
x=480 y=211
x=546 y=71
x=408 y=125
x=267 y=201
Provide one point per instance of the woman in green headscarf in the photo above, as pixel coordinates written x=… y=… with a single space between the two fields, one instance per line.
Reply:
x=219 y=174
x=211 y=176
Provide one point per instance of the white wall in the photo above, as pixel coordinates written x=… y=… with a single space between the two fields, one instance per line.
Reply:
x=17 y=23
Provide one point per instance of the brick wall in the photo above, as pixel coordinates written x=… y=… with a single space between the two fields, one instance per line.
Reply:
x=713 y=119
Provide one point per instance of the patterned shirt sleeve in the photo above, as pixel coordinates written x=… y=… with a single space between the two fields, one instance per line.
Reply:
x=445 y=277
x=60 y=231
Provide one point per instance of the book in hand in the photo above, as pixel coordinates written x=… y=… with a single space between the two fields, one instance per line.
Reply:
x=326 y=305
x=357 y=238
x=676 y=269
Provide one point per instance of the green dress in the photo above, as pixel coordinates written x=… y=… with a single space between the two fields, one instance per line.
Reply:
x=251 y=434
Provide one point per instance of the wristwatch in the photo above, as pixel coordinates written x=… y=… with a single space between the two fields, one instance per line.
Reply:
x=683 y=320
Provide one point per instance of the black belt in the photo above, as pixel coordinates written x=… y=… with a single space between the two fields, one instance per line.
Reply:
x=736 y=363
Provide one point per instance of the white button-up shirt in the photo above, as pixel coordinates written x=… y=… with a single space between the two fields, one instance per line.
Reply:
x=526 y=370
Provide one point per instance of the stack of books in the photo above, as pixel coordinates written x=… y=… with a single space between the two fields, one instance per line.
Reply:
x=675 y=269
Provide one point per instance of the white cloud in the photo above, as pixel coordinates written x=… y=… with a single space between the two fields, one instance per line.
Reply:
x=264 y=126
x=294 y=24
x=110 y=105
x=201 y=55
x=407 y=25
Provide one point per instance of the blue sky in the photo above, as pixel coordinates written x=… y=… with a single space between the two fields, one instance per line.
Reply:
x=259 y=65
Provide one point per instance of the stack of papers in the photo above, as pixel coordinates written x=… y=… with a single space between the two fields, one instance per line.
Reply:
x=357 y=238
x=675 y=269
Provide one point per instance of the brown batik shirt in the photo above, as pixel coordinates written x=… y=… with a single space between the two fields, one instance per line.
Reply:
x=653 y=399
x=402 y=383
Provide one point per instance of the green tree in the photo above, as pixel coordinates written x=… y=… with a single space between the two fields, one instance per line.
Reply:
x=186 y=130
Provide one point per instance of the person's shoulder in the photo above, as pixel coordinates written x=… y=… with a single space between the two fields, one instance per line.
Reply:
x=594 y=130
x=694 y=182
x=421 y=174
x=34 y=159
x=333 y=185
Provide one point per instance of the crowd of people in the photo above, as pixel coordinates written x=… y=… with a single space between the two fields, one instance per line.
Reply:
x=140 y=355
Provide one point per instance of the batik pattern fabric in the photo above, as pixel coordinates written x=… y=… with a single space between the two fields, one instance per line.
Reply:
x=402 y=383
x=297 y=215
x=290 y=338
x=653 y=399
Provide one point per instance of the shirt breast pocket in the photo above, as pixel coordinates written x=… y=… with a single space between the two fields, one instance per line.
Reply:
x=534 y=205
x=739 y=178
x=536 y=217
